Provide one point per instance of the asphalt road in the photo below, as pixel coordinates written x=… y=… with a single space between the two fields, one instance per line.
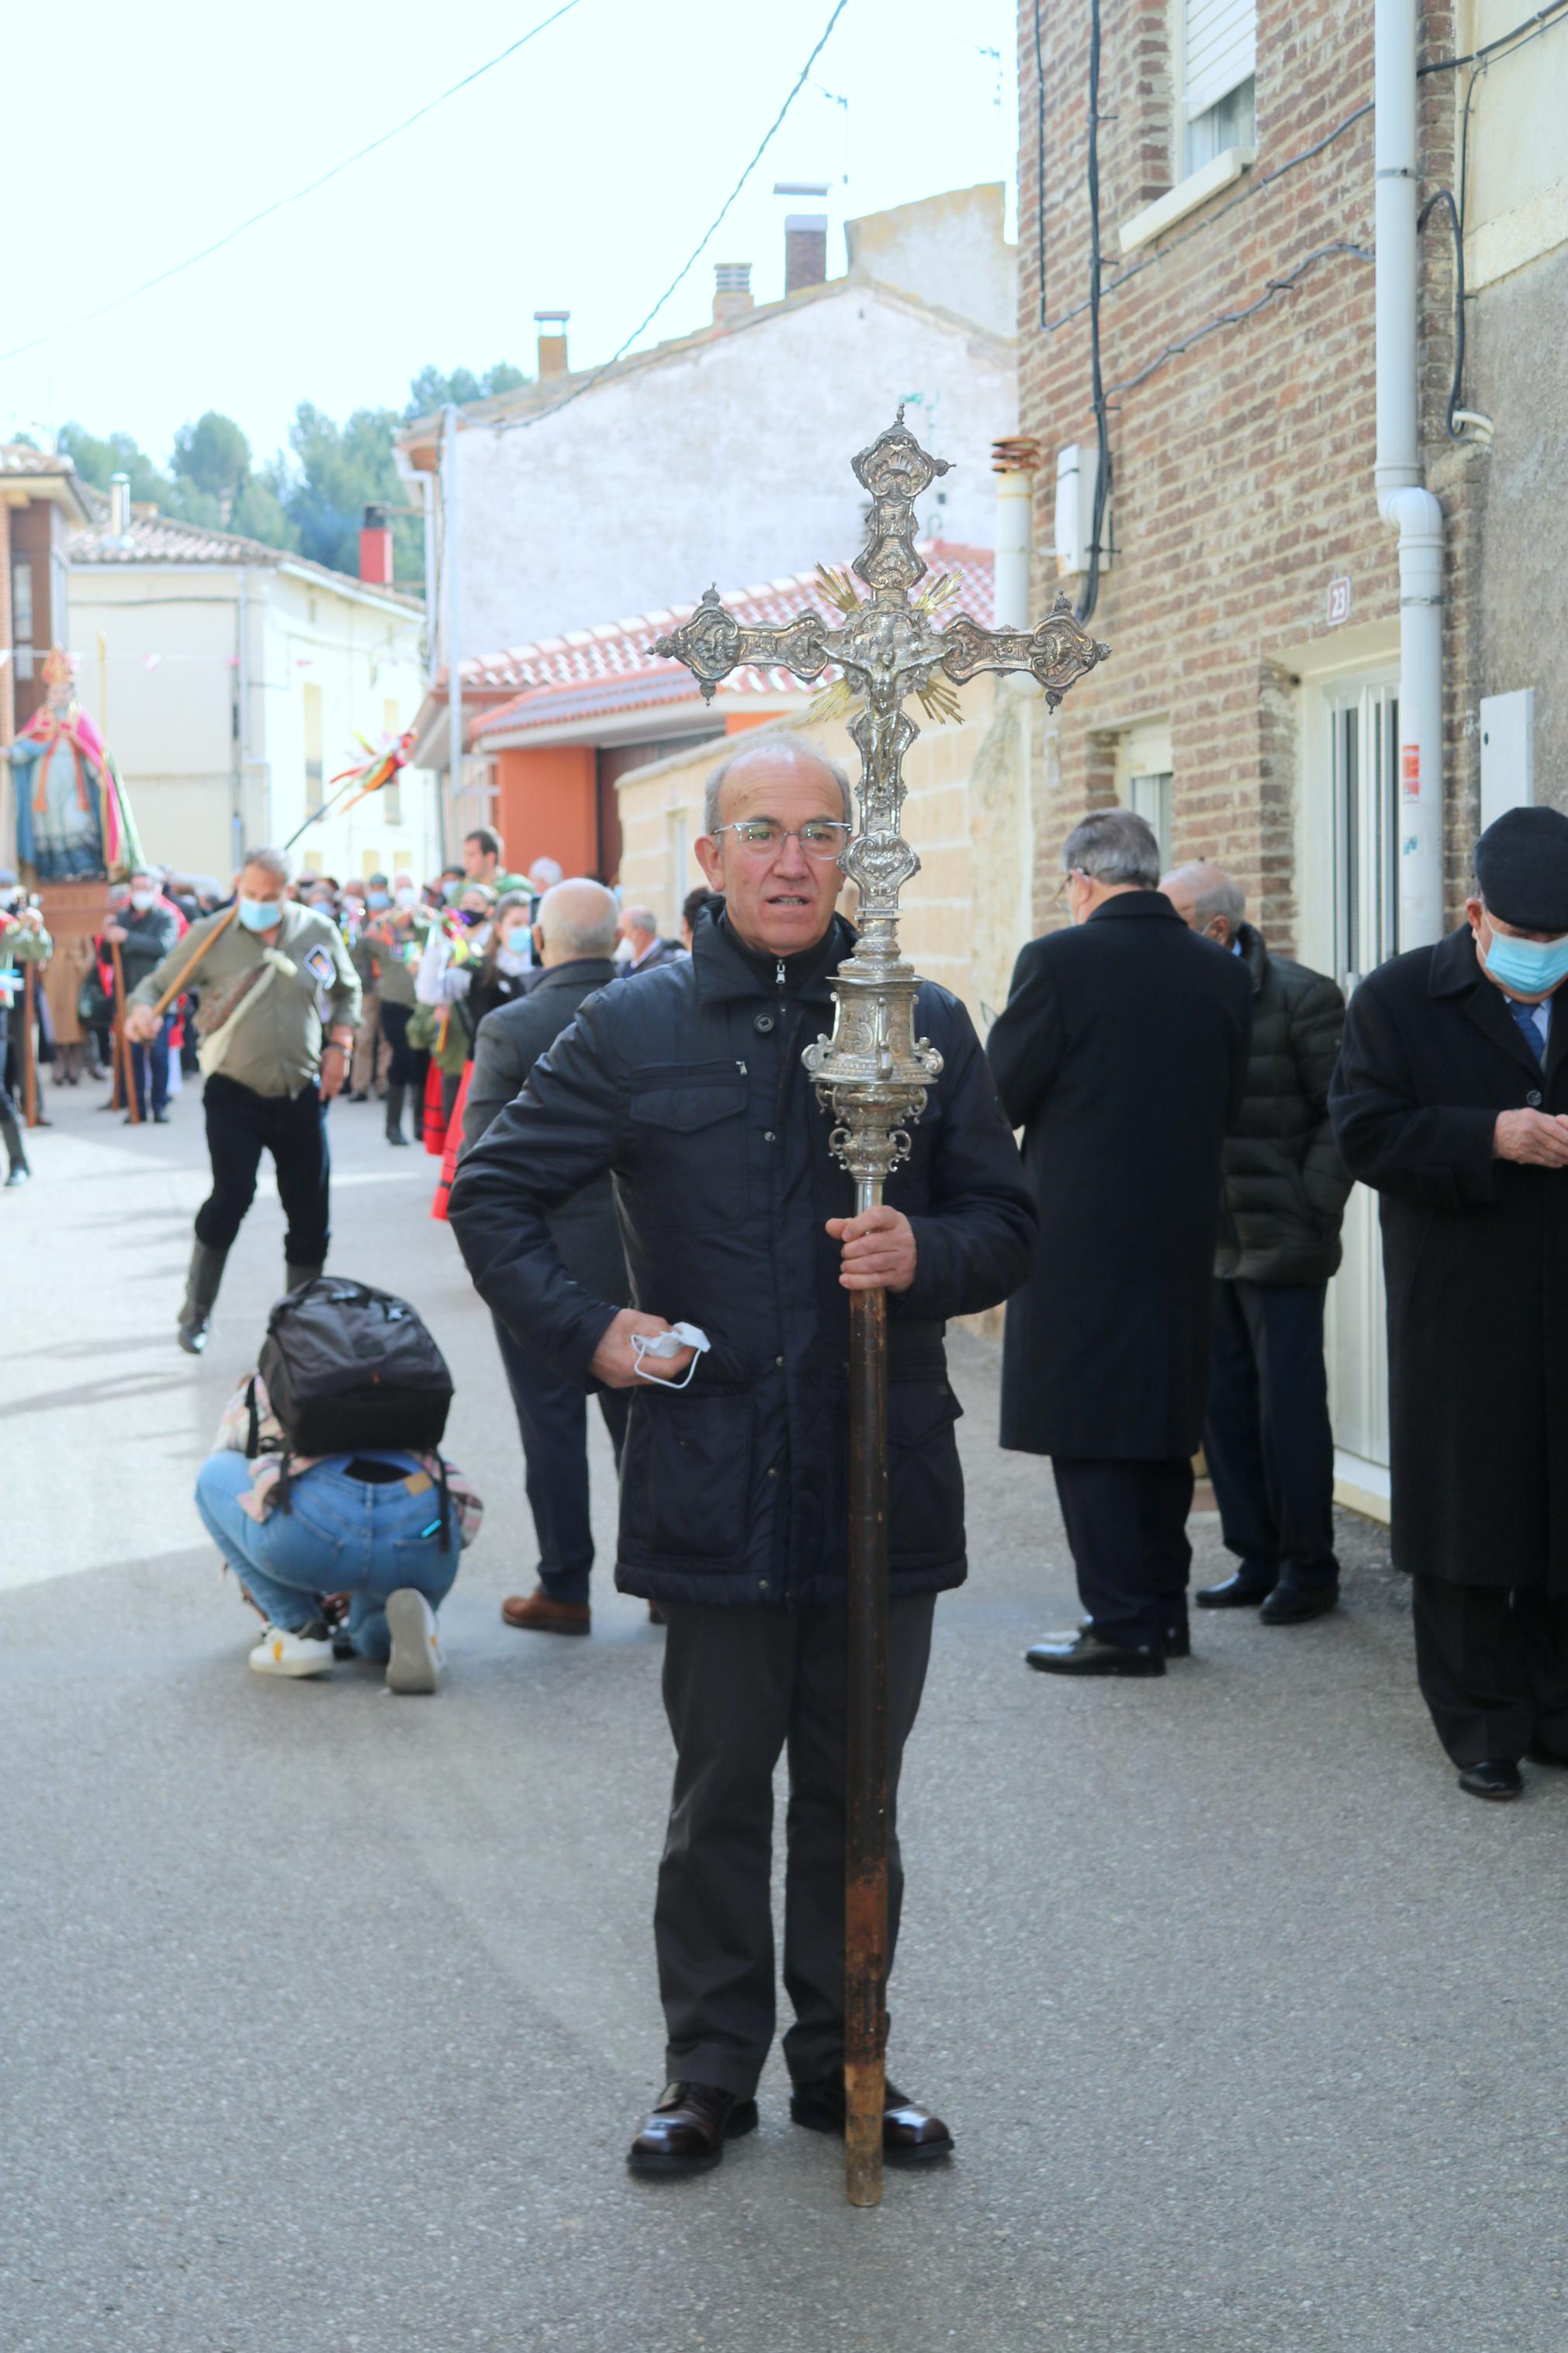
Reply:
x=326 y=2017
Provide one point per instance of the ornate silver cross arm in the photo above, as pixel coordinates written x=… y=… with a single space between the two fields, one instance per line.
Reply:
x=874 y=1073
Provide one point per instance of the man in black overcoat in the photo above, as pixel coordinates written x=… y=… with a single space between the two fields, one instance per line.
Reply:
x=575 y=937
x=686 y=1085
x=1451 y=1097
x=1123 y=1055
x=1267 y=1440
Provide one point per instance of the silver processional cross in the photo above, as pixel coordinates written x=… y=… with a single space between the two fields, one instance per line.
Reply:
x=873 y=1075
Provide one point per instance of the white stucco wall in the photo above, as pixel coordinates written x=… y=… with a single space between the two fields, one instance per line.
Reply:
x=1515 y=198
x=950 y=249
x=726 y=463
x=172 y=659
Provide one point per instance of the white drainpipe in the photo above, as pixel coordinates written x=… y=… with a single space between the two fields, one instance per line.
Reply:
x=1401 y=499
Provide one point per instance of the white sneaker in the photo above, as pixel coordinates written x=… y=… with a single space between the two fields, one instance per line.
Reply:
x=280 y=1653
x=416 y=1663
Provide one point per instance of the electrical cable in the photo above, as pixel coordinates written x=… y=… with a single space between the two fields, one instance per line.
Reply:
x=162 y=275
x=521 y=424
x=1283 y=285
x=1446 y=196
x=1531 y=29
x=1091 y=597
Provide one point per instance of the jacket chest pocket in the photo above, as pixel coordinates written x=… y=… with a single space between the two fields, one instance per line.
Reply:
x=688 y=1131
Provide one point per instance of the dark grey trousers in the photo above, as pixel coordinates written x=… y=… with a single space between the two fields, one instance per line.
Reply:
x=741 y=1685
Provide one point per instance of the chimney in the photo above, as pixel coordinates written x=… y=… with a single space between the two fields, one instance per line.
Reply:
x=806 y=237
x=120 y=504
x=551 y=325
x=731 y=290
x=376 y=548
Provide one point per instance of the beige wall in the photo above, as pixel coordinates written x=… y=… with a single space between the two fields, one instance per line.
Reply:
x=1516 y=200
x=969 y=815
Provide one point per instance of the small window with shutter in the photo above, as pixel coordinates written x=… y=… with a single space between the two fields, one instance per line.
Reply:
x=1216 y=85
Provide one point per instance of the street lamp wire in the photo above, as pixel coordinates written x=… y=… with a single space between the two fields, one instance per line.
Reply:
x=521 y=424
x=298 y=196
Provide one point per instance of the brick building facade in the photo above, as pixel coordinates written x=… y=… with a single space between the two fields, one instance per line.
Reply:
x=1236 y=355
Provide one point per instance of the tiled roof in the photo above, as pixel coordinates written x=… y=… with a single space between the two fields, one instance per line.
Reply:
x=15 y=457
x=588 y=672
x=160 y=539
x=163 y=539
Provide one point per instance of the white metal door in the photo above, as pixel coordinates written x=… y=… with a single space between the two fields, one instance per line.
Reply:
x=1360 y=721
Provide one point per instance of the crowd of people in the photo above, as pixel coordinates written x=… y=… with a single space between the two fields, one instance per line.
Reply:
x=645 y=1197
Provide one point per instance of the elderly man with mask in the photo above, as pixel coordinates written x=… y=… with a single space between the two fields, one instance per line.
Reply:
x=1267 y=1435
x=1451 y=1099
x=686 y=1086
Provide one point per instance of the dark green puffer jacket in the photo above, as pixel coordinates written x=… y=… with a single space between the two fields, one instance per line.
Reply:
x=1285 y=1184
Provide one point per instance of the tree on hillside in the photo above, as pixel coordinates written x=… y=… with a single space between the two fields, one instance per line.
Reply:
x=431 y=390
x=214 y=456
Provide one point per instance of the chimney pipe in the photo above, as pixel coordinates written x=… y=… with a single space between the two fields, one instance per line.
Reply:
x=120 y=504
x=1013 y=461
x=551 y=325
x=731 y=290
x=376 y=548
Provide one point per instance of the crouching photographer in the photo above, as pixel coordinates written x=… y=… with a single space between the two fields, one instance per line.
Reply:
x=328 y=1496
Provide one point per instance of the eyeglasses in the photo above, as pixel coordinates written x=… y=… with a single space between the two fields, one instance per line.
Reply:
x=822 y=838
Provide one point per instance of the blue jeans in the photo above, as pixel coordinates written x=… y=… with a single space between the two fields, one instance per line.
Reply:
x=339 y=1536
x=156 y=1055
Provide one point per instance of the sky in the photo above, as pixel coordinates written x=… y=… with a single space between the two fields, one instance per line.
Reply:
x=579 y=174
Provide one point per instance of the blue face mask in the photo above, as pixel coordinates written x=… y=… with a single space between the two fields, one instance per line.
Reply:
x=259 y=914
x=377 y=899
x=451 y=892
x=1532 y=968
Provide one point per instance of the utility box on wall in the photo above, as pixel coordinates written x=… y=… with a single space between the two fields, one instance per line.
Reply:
x=1508 y=752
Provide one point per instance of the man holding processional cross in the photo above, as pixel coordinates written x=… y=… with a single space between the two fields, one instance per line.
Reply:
x=791 y=1494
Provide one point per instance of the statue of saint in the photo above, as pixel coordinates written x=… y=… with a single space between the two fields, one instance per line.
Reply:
x=73 y=820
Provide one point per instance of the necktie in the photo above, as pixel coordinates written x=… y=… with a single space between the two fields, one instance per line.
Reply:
x=1528 y=1018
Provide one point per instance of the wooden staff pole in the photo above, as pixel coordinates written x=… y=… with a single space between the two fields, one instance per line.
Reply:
x=866 y=1764
x=177 y=985
x=122 y=1062
x=30 y=1052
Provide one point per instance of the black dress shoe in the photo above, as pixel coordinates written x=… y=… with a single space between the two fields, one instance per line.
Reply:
x=1494 y=1777
x=687 y=2131
x=1178 y=1638
x=1238 y=1592
x=910 y=2134
x=1089 y=1654
x=1288 y=1605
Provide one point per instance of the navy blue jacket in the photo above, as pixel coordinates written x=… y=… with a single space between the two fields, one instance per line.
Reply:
x=688 y=1086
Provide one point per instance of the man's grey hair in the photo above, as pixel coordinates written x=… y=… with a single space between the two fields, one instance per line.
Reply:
x=580 y=915
x=1114 y=845
x=1214 y=892
x=546 y=873
x=641 y=918
x=271 y=862
x=762 y=741
x=148 y=874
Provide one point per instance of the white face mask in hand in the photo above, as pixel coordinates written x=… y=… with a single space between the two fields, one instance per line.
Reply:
x=669 y=1344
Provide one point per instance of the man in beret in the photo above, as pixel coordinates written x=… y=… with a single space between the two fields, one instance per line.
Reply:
x=1451 y=1099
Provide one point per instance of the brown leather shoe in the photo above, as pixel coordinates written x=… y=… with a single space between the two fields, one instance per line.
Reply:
x=687 y=2131
x=910 y=2134
x=535 y=1613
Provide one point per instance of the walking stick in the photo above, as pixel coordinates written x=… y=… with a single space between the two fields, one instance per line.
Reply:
x=873 y=1075
x=177 y=985
x=866 y=1739
x=123 y=1062
x=29 y=1053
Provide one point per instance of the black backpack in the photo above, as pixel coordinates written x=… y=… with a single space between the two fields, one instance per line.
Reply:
x=351 y=1370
